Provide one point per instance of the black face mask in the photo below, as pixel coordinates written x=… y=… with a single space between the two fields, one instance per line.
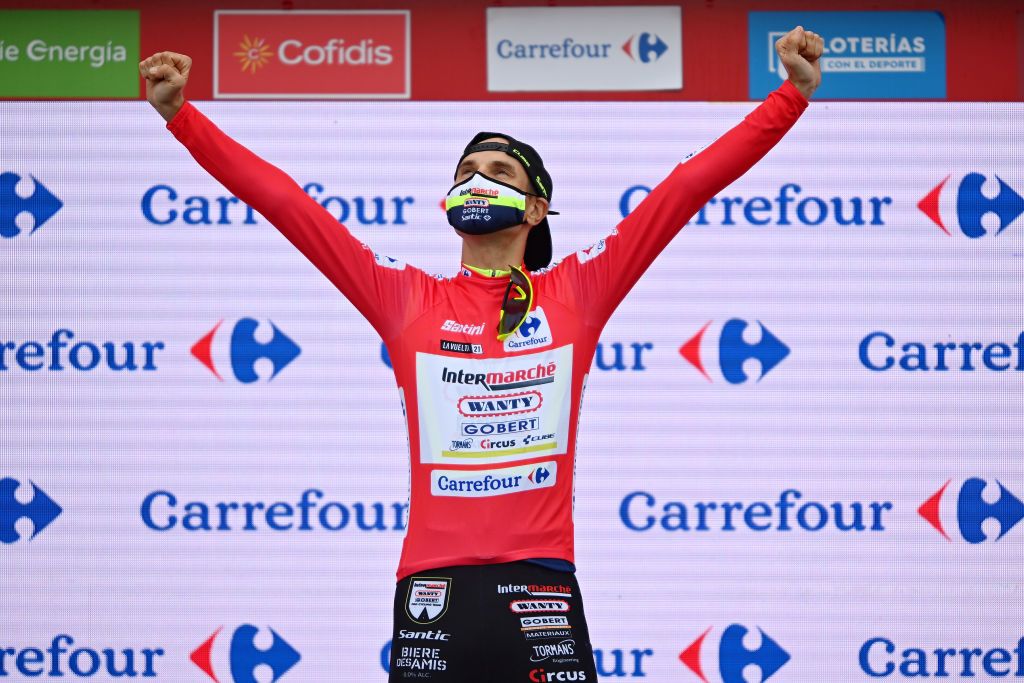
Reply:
x=482 y=205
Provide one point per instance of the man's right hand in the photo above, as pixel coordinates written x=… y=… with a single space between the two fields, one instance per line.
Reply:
x=166 y=74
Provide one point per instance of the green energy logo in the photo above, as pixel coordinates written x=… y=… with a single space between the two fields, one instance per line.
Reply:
x=80 y=53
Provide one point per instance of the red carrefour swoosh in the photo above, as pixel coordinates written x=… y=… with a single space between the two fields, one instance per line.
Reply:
x=201 y=655
x=930 y=511
x=691 y=351
x=929 y=205
x=691 y=655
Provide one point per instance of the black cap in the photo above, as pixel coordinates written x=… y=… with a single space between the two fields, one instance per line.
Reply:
x=538 y=244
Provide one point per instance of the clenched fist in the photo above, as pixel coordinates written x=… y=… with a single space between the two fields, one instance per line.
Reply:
x=799 y=51
x=166 y=74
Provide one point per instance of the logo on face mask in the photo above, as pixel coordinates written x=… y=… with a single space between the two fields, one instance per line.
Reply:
x=482 y=205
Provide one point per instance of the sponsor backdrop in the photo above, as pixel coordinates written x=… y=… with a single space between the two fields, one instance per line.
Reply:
x=696 y=50
x=800 y=451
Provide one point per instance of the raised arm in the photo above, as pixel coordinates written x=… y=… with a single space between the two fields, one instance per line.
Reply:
x=378 y=287
x=599 y=278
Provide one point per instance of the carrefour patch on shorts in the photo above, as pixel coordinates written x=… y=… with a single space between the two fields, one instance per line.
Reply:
x=57 y=53
x=868 y=55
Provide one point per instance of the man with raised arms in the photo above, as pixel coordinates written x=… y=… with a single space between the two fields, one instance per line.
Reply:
x=483 y=517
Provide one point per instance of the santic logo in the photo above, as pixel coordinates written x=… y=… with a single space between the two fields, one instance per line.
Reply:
x=734 y=350
x=738 y=648
x=644 y=47
x=31 y=208
x=41 y=510
x=243 y=350
x=966 y=510
x=974 y=203
x=240 y=657
x=311 y=54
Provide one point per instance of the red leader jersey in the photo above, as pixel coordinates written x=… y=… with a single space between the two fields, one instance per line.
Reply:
x=492 y=425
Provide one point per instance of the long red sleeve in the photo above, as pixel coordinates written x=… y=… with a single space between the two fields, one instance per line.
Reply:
x=605 y=274
x=378 y=287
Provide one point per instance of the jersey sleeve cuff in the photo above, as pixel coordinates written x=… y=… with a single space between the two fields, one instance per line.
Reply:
x=793 y=93
x=178 y=121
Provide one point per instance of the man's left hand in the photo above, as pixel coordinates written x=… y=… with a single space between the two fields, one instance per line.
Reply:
x=799 y=51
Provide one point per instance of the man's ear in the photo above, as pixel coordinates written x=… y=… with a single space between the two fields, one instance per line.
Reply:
x=536 y=209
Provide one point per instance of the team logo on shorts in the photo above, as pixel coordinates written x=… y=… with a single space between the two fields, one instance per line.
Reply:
x=428 y=599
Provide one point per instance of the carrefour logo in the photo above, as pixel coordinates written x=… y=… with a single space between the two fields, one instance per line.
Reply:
x=967 y=511
x=734 y=351
x=880 y=351
x=644 y=47
x=41 y=510
x=241 y=657
x=791 y=205
x=965 y=205
x=65 y=657
x=164 y=204
x=727 y=662
x=31 y=209
x=789 y=512
x=243 y=350
x=880 y=657
x=66 y=351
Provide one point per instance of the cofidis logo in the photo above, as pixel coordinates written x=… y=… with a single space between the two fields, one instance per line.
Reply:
x=316 y=54
x=734 y=653
x=239 y=657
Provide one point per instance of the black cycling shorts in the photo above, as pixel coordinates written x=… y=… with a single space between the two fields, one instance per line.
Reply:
x=516 y=621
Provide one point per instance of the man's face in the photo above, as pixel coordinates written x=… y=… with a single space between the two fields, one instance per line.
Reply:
x=497 y=165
